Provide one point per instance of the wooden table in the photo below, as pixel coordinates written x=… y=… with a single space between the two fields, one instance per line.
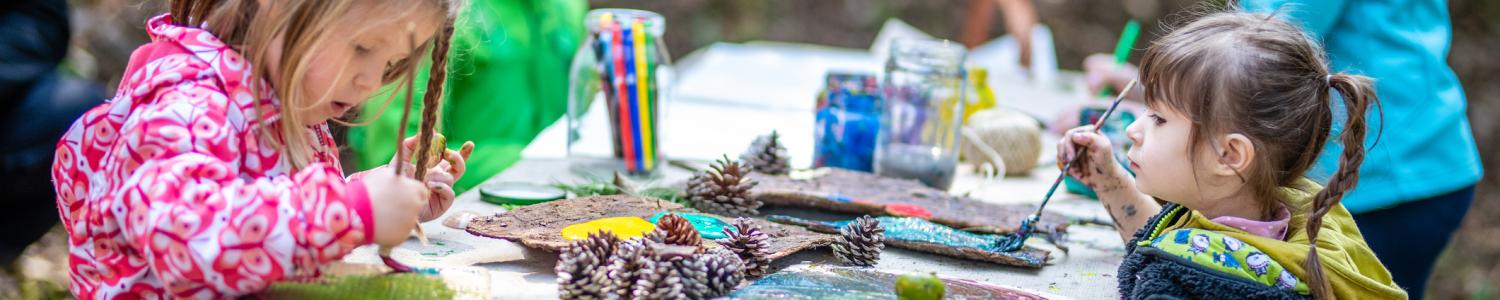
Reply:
x=505 y=270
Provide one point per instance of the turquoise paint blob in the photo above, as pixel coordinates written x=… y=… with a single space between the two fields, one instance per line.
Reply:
x=708 y=227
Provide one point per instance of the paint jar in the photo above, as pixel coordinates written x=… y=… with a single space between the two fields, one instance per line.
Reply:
x=617 y=85
x=922 y=111
x=847 y=119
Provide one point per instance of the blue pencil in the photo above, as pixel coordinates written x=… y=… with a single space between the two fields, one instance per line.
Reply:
x=630 y=97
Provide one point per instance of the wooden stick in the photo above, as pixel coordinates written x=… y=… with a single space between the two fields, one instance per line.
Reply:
x=421 y=235
x=385 y=252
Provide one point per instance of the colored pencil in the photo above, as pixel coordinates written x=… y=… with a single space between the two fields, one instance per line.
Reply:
x=618 y=60
x=643 y=102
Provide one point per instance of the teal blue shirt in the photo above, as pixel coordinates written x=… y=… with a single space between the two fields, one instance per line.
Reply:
x=1428 y=149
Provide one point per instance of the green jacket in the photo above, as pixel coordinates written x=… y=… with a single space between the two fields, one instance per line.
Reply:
x=508 y=79
x=1182 y=254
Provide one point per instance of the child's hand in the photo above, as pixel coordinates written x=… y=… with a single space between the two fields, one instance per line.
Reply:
x=1101 y=71
x=395 y=202
x=440 y=182
x=439 y=178
x=1096 y=167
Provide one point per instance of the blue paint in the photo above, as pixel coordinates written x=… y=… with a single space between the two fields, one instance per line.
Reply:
x=919 y=231
x=847 y=121
x=824 y=282
x=790 y=285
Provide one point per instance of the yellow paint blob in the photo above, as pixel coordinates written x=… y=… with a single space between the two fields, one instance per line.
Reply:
x=622 y=227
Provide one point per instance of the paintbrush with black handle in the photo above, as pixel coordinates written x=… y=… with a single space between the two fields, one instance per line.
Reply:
x=1019 y=237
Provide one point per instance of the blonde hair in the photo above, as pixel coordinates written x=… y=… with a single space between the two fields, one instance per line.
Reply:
x=241 y=25
x=1265 y=78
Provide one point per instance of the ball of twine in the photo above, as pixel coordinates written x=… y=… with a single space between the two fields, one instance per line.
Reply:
x=1015 y=136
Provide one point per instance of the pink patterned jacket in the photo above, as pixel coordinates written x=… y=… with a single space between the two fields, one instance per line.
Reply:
x=167 y=190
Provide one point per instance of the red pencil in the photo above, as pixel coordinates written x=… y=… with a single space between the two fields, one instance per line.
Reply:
x=623 y=129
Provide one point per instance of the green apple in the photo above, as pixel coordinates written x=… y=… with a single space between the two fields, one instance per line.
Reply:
x=919 y=287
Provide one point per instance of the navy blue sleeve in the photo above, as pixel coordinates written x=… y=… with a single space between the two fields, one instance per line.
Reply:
x=34 y=41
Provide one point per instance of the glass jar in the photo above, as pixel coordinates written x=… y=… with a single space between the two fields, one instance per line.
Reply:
x=847 y=120
x=617 y=84
x=924 y=88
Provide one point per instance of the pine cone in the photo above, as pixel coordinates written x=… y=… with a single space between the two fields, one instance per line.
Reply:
x=642 y=269
x=750 y=245
x=705 y=276
x=860 y=242
x=722 y=268
x=623 y=268
x=658 y=236
x=601 y=243
x=723 y=251
x=766 y=155
x=658 y=279
x=581 y=270
x=723 y=190
x=679 y=231
x=694 y=277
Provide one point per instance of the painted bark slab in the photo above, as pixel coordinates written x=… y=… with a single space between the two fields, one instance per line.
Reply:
x=828 y=282
x=855 y=192
x=923 y=236
x=539 y=225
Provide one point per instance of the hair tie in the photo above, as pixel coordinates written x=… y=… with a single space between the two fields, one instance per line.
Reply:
x=1328 y=80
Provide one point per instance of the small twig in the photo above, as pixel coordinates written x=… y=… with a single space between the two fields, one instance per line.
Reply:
x=685 y=165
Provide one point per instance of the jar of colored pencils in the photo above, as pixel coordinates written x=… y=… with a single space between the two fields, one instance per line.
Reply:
x=923 y=108
x=617 y=79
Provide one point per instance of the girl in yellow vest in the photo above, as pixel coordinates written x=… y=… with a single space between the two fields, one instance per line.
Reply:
x=1240 y=106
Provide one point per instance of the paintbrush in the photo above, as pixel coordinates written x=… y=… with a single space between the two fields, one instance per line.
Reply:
x=1019 y=237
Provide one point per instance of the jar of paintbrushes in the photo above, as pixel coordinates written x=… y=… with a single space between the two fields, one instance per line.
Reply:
x=618 y=77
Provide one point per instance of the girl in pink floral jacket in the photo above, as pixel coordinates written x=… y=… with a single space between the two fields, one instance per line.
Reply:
x=211 y=173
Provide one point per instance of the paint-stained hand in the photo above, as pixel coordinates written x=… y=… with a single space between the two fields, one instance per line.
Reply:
x=440 y=182
x=1095 y=166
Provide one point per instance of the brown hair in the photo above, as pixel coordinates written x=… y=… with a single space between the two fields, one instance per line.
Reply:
x=1264 y=78
x=241 y=25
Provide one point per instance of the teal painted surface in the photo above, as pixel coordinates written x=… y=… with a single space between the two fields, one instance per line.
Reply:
x=708 y=227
